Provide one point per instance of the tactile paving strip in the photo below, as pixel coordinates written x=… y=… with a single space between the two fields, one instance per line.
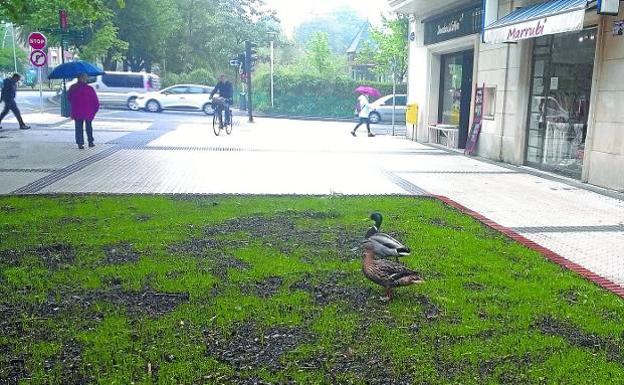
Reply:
x=404 y=184
x=54 y=177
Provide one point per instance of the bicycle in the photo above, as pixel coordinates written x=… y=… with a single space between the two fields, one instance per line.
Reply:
x=220 y=105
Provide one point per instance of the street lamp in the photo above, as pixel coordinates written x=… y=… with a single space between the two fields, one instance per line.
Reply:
x=271 y=35
x=6 y=30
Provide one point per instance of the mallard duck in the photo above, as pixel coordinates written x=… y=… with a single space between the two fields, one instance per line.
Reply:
x=385 y=246
x=388 y=274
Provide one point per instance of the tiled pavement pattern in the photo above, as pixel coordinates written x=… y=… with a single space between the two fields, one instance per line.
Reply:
x=304 y=157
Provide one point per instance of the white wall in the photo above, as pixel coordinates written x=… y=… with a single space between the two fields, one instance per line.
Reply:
x=417 y=79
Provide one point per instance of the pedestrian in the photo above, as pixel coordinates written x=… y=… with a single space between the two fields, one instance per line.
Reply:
x=84 y=105
x=363 y=112
x=9 y=91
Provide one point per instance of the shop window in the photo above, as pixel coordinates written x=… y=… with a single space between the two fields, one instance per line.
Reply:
x=489 y=103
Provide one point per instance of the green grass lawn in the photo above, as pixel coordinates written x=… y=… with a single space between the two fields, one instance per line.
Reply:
x=256 y=290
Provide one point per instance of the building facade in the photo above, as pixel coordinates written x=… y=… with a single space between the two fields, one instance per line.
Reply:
x=549 y=78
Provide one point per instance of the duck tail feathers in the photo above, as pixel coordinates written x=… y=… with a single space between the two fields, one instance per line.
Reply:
x=404 y=251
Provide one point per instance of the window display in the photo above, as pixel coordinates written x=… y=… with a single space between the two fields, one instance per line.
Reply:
x=560 y=91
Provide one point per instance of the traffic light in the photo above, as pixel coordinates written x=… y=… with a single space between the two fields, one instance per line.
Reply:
x=250 y=56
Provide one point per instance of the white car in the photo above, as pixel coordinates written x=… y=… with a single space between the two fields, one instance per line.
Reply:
x=381 y=109
x=186 y=97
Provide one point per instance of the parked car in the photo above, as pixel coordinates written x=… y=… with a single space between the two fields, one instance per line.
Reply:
x=123 y=88
x=191 y=97
x=381 y=109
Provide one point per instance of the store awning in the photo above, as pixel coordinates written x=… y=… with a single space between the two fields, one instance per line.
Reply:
x=554 y=16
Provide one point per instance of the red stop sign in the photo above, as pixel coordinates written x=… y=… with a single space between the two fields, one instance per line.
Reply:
x=37 y=40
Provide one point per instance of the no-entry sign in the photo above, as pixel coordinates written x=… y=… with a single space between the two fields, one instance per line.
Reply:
x=37 y=40
x=38 y=58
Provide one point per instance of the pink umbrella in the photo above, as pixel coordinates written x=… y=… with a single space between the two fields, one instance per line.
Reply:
x=370 y=91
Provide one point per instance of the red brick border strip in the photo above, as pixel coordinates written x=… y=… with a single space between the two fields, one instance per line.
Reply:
x=551 y=255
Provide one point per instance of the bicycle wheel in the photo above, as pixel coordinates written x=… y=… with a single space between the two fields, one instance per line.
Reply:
x=215 y=124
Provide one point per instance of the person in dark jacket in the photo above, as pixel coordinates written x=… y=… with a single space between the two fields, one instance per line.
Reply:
x=9 y=90
x=226 y=92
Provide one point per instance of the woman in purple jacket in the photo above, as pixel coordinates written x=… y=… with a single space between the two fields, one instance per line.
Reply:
x=84 y=105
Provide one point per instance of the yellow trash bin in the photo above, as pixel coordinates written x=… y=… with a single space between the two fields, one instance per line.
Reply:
x=411 y=114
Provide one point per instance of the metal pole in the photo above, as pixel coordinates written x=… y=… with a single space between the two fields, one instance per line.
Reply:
x=14 y=57
x=248 y=65
x=6 y=32
x=393 y=99
x=40 y=92
x=271 y=73
x=64 y=102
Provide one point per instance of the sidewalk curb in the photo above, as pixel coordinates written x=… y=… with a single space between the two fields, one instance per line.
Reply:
x=549 y=254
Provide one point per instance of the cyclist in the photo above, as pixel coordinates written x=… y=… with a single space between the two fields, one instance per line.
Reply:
x=225 y=90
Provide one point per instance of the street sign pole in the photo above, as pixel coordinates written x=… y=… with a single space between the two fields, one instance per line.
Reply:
x=38 y=58
x=40 y=91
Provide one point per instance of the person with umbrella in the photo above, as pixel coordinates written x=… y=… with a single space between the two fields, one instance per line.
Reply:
x=82 y=97
x=84 y=105
x=363 y=107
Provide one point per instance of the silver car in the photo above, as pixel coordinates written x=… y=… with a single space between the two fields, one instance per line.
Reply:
x=381 y=109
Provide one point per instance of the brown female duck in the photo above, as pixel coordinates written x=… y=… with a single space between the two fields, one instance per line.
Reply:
x=386 y=273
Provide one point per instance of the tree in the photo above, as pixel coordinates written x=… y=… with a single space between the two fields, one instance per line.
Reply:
x=392 y=43
x=144 y=26
x=92 y=17
x=7 y=64
x=209 y=33
x=45 y=12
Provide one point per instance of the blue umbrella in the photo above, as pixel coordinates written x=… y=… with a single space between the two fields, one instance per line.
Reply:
x=72 y=69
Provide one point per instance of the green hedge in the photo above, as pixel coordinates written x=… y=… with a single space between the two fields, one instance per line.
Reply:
x=309 y=95
x=198 y=76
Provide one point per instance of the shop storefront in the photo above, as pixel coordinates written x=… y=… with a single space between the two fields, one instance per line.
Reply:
x=451 y=118
x=563 y=52
x=550 y=72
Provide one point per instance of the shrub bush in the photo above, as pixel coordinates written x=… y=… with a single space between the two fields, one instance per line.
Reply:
x=310 y=95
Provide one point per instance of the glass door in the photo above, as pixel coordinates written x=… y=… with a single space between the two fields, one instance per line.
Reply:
x=456 y=92
x=563 y=67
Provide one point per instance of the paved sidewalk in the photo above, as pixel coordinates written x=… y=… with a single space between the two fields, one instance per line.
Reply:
x=275 y=156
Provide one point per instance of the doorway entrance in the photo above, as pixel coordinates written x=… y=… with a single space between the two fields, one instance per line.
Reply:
x=456 y=92
x=563 y=66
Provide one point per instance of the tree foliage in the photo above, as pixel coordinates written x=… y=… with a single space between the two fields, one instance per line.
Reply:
x=175 y=35
x=7 y=64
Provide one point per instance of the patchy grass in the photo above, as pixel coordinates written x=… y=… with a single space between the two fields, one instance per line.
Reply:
x=253 y=290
